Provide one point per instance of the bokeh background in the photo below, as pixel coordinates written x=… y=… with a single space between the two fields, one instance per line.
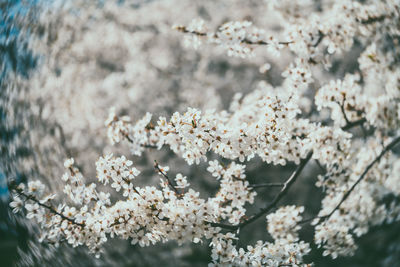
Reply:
x=65 y=63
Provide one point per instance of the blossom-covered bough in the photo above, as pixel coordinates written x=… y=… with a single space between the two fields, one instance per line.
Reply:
x=275 y=124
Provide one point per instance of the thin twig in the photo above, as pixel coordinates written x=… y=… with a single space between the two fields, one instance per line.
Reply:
x=283 y=191
x=320 y=37
x=343 y=111
x=362 y=176
x=157 y=167
x=224 y=225
x=133 y=187
x=353 y=124
x=306 y=221
x=373 y=19
x=245 y=41
x=266 y=185
x=51 y=209
x=126 y=135
x=289 y=182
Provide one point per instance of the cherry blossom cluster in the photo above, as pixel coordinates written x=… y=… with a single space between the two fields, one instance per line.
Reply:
x=283 y=224
x=117 y=171
x=266 y=128
x=381 y=85
x=146 y=216
x=234 y=191
x=365 y=206
x=333 y=30
x=342 y=97
x=348 y=103
x=279 y=253
x=235 y=37
x=149 y=214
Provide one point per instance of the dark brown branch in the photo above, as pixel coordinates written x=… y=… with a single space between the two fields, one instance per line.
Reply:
x=225 y=226
x=266 y=185
x=353 y=124
x=149 y=146
x=285 y=188
x=373 y=20
x=306 y=221
x=320 y=37
x=245 y=41
x=344 y=112
x=289 y=182
x=126 y=135
x=395 y=142
x=133 y=187
x=362 y=176
x=157 y=167
x=51 y=209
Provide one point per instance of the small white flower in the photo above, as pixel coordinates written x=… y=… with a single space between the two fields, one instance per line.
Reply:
x=16 y=204
x=69 y=163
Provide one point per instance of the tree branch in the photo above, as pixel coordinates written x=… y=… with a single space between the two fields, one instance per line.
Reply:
x=157 y=167
x=284 y=189
x=51 y=209
x=245 y=41
x=371 y=20
x=320 y=37
x=390 y=146
x=289 y=182
x=353 y=124
x=362 y=176
x=126 y=135
x=343 y=111
x=266 y=185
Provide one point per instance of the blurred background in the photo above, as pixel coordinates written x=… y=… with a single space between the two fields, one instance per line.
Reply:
x=65 y=63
